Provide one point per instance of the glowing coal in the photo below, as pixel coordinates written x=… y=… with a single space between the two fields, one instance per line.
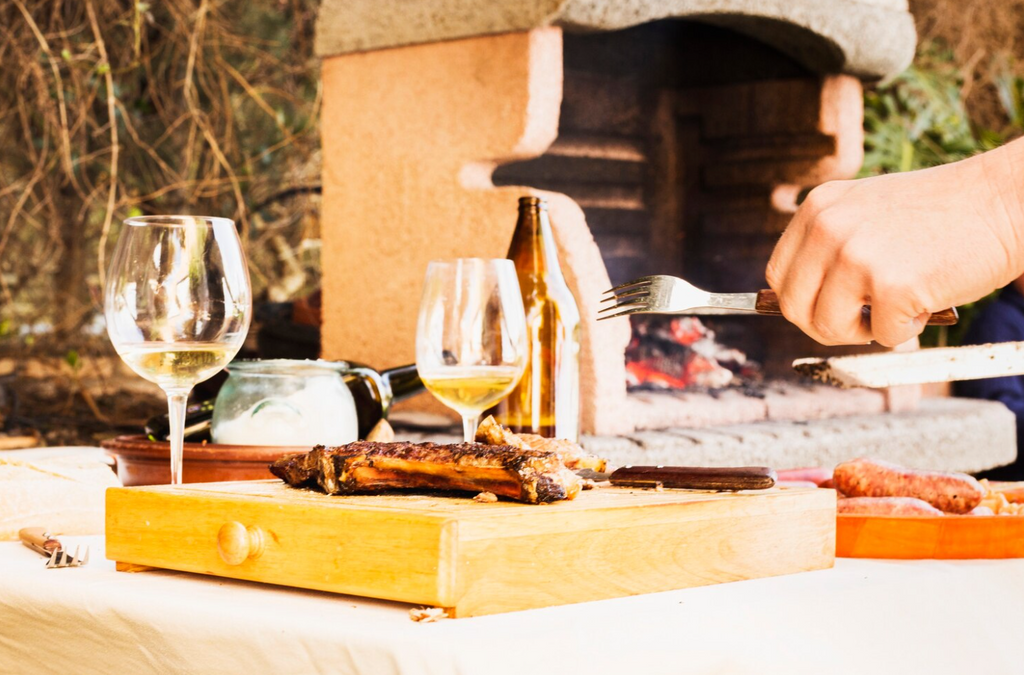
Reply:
x=682 y=353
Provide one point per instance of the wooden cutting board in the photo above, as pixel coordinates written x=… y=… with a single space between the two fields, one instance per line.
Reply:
x=472 y=558
x=944 y=537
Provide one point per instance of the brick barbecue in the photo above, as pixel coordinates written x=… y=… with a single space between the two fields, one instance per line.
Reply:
x=668 y=137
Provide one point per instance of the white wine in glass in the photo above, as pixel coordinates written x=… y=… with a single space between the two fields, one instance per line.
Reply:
x=178 y=305
x=471 y=344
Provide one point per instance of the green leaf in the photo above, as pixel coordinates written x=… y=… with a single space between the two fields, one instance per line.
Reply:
x=71 y=358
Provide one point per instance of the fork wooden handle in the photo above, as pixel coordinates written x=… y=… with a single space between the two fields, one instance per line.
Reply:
x=37 y=539
x=768 y=303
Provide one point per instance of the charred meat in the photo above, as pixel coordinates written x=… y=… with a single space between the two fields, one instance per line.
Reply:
x=532 y=476
x=572 y=455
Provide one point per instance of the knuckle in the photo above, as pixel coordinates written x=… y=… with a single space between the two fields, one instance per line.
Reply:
x=855 y=256
x=826 y=232
x=895 y=286
x=824 y=329
x=823 y=195
x=893 y=338
x=823 y=337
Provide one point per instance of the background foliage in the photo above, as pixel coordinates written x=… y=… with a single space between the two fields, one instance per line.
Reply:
x=111 y=108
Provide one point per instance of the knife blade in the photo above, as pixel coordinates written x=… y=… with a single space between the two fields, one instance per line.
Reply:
x=941 y=364
x=688 y=477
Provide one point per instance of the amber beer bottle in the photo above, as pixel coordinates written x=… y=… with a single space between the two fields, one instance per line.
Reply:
x=547 y=400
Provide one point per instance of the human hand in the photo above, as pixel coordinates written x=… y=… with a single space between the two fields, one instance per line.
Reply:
x=906 y=244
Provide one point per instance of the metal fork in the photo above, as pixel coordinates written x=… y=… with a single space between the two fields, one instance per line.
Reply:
x=37 y=539
x=661 y=294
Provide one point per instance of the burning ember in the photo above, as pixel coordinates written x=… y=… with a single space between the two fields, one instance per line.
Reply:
x=682 y=353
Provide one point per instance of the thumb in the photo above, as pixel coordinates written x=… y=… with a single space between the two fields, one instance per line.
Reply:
x=891 y=325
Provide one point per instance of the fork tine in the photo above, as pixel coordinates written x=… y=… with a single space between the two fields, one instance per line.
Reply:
x=623 y=313
x=85 y=560
x=52 y=562
x=639 y=303
x=620 y=303
x=627 y=290
x=634 y=282
x=641 y=292
x=74 y=559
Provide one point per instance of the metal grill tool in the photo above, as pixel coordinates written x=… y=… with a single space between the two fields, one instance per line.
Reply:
x=37 y=539
x=661 y=294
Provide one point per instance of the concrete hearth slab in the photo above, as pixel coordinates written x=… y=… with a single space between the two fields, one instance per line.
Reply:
x=868 y=38
x=941 y=434
x=783 y=401
x=658 y=410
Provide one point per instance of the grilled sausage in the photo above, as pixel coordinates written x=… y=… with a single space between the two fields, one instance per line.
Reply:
x=949 y=492
x=886 y=506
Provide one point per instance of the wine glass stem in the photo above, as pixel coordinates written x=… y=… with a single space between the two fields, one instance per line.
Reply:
x=469 y=425
x=176 y=402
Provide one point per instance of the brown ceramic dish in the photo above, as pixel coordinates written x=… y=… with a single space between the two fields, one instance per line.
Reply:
x=141 y=461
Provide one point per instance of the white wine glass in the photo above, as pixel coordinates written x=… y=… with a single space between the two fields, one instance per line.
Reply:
x=471 y=343
x=178 y=305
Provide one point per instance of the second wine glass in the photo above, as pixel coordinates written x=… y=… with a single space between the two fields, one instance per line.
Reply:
x=471 y=343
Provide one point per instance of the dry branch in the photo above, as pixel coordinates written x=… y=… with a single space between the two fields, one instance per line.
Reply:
x=126 y=106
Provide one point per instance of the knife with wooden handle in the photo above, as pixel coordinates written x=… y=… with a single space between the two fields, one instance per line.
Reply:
x=942 y=364
x=689 y=477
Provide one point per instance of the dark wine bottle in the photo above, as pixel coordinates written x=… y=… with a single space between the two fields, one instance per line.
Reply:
x=546 y=400
x=374 y=395
x=372 y=391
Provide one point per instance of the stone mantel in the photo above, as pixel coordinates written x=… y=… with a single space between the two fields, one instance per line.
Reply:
x=870 y=39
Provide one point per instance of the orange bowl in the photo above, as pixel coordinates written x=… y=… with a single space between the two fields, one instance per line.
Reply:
x=141 y=461
x=944 y=537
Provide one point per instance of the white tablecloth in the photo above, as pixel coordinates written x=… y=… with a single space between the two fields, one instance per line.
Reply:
x=864 y=616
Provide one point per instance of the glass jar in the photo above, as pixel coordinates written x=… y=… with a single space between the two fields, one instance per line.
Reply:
x=287 y=402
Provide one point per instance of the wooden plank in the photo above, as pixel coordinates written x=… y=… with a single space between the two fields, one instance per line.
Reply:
x=888 y=369
x=469 y=557
x=610 y=554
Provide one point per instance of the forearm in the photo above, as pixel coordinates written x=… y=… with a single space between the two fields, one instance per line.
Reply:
x=1001 y=184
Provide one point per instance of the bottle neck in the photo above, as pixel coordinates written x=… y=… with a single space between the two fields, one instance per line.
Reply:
x=404 y=382
x=533 y=245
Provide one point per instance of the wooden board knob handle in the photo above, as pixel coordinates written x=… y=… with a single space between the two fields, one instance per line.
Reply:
x=768 y=303
x=237 y=543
